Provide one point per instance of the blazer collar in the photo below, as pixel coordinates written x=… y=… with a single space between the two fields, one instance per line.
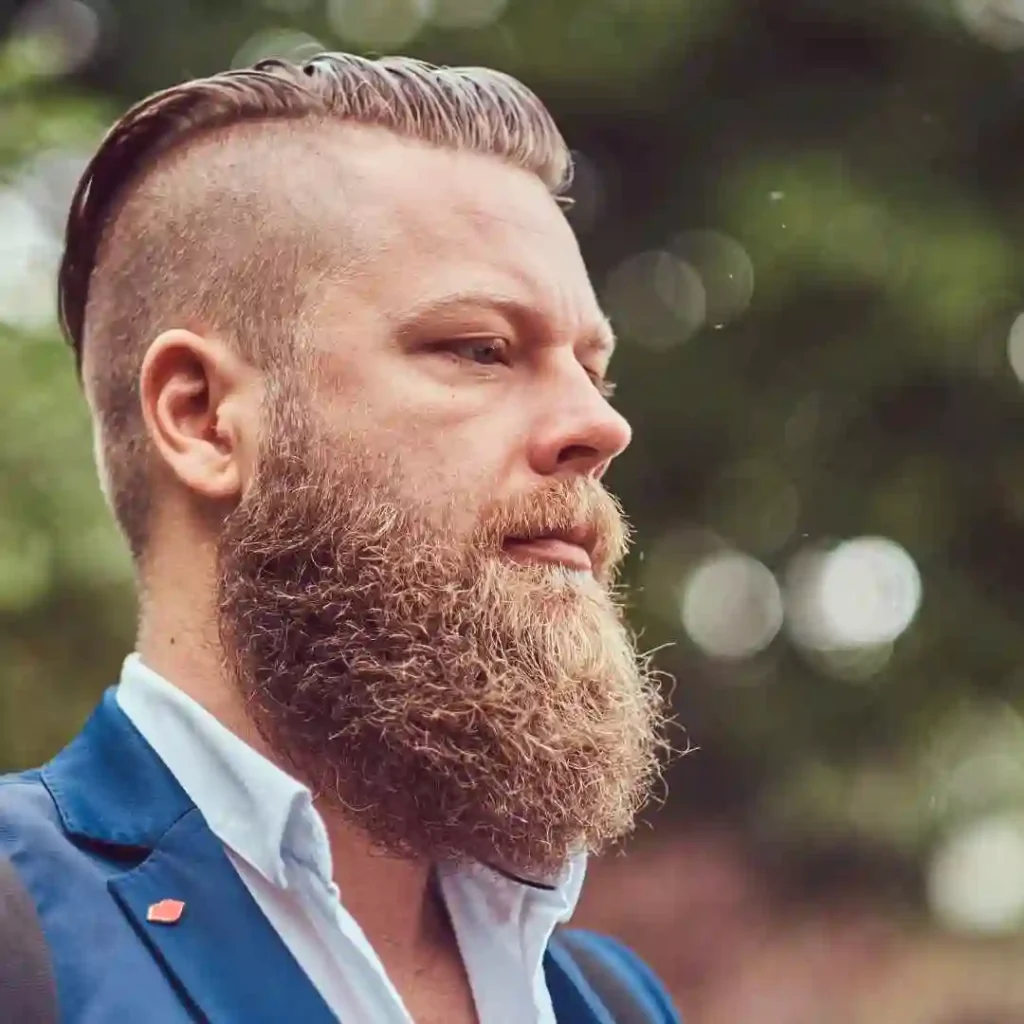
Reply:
x=110 y=786
x=112 y=789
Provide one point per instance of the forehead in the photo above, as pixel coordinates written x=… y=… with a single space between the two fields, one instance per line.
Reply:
x=440 y=227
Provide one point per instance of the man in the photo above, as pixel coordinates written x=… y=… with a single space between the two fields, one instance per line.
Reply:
x=348 y=381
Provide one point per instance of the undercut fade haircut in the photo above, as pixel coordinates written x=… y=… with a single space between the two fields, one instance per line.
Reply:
x=171 y=227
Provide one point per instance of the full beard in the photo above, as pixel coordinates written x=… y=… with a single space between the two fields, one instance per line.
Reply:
x=454 y=704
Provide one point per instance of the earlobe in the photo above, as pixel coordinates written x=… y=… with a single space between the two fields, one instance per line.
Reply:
x=192 y=391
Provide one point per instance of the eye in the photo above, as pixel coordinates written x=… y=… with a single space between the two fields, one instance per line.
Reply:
x=484 y=351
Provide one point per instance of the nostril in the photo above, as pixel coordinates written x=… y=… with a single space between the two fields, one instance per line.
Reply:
x=577 y=452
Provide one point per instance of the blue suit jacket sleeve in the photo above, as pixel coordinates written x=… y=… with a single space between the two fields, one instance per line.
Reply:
x=641 y=979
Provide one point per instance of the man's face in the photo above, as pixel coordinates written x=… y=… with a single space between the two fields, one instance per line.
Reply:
x=465 y=332
x=416 y=589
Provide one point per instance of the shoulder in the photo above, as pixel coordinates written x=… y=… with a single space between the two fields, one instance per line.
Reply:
x=25 y=803
x=24 y=797
x=617 y=959
x=30 y=824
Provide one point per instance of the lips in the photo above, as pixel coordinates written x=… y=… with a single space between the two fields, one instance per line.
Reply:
x=571 y=548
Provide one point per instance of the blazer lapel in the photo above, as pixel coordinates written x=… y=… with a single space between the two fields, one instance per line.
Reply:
x=112 y=790
x=572 y=998
x=222 y=950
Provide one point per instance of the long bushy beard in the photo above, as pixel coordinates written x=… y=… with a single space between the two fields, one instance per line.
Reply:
x=456 y=704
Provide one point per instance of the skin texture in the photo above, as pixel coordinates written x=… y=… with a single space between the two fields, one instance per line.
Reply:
x=334 y=568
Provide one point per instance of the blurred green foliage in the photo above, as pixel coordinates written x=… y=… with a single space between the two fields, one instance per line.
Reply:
x=866 y=157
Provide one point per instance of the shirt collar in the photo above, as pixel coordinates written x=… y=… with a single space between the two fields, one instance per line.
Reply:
x=250 y=804
x=266 y=816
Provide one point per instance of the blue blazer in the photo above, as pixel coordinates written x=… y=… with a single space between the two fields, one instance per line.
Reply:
x=104 y=831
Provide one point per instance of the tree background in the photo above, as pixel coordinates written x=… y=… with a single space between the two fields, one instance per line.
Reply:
x=804 y=218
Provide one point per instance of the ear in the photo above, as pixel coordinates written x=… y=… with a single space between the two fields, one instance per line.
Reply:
x=200 y=402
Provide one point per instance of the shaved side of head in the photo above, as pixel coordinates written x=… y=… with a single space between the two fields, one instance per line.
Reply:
x=228 y=237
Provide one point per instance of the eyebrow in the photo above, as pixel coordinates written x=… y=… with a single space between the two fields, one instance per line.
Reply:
x=599 y=339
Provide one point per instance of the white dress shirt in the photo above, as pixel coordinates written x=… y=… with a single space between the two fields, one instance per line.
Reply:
x=276 y=840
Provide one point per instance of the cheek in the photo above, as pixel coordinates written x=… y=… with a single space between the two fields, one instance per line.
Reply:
x=450 y=492
x=455 y=450
x=453 y=484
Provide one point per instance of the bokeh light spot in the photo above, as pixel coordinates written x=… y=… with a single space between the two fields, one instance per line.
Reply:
x=29 y=254
x=725 y=270
x=59 y=36
x=731 y=606
x=1000 y=23
x=656 y=299
x=976 y=878
x=380 y=23
x=862 y=593
x=1015 y=347
x=48 y=182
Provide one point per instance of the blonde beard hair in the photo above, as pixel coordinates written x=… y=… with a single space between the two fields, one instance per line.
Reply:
x=455 y=704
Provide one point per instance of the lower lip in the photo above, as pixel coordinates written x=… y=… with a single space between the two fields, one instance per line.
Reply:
x=551 y=550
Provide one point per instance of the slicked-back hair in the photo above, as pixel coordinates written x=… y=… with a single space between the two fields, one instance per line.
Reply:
x=138 y=255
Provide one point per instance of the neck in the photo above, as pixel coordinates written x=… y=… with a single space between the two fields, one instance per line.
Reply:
x=393 y=899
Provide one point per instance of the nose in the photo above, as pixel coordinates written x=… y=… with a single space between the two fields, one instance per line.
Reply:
x=580 y=433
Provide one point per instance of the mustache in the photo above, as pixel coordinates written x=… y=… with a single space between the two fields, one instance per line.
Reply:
x=367 y=500
x=581 y=510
